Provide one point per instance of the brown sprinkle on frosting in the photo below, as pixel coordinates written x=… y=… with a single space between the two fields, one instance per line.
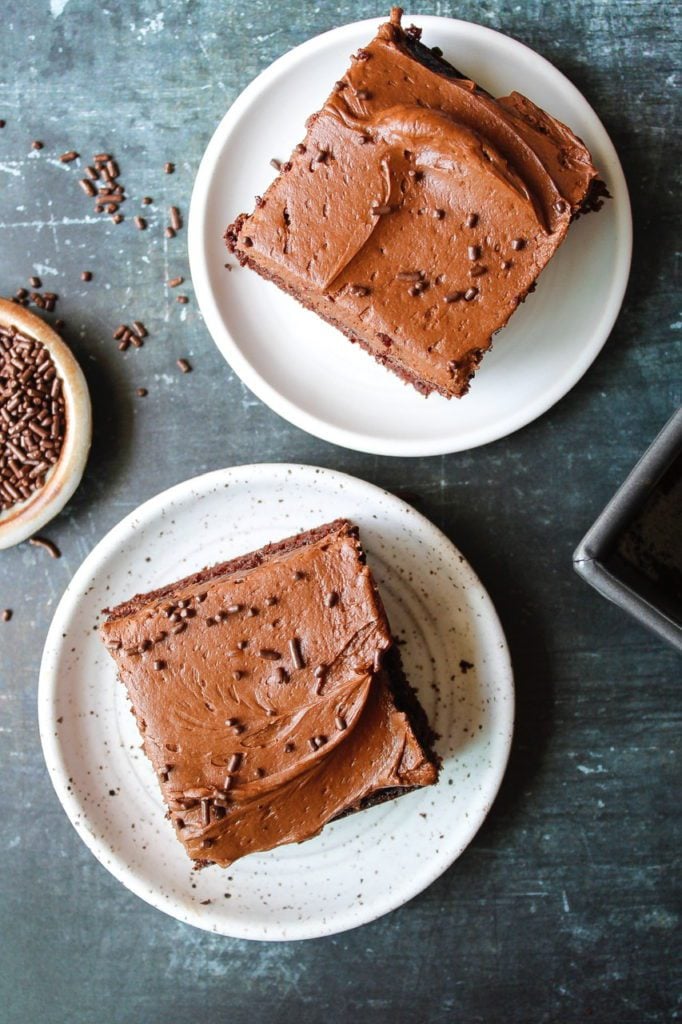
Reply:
x=295 y=651
x=268 y=654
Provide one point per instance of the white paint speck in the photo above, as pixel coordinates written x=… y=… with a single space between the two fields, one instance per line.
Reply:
x=599 y=770
x=152 y=25
x=57 y=6
x=564 y=900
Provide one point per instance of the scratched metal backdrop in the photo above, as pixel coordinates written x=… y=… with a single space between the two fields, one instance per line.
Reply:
x=565 y=906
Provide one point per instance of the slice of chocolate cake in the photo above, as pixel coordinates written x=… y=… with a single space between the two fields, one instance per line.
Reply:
x=418 y=211
x=269 y=695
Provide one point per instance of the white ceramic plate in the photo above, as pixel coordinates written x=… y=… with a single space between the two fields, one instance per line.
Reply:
x=308 y=372
x=360 y=867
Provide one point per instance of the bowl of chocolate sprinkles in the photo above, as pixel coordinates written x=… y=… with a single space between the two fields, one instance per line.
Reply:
x=45 y=423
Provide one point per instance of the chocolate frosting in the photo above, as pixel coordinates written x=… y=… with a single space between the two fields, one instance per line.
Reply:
x=261 y=698
x=474 y=196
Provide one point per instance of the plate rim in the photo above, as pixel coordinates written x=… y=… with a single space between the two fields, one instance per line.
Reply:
x=52 y=747
x=345 y=436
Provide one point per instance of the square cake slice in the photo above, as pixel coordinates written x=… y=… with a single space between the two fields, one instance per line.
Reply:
x=269 y=695
x=418 y=211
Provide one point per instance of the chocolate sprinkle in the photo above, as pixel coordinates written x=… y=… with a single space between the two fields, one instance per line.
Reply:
x=331 y=599
x=268 y=654
x=474 y=252
x=295 y=651
x=453 y=297
x=471 y=220
x=6 y=614
x=518 y=243
x=175 y=218
x=470 y=294
x=46 y=545
x=183 y=365
x=380 y=211
x=234 y=762
x=340 y=723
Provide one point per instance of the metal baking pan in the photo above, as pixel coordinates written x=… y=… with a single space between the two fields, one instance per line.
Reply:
x=652 y=598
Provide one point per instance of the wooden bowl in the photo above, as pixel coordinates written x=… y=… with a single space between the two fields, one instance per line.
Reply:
x=28 y=517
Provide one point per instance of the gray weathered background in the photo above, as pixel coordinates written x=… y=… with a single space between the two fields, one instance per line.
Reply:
x=564 y=907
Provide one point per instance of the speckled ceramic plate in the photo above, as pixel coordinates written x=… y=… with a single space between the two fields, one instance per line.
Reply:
x=307 y=371
x=360 y=867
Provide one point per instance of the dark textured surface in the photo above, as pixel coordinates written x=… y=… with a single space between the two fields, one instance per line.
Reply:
x=565 y=907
